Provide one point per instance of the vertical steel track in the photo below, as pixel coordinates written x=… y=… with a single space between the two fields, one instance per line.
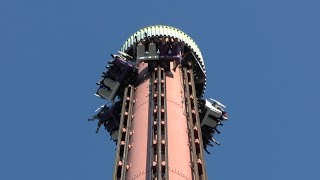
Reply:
x=159 y=149
x=197 y=157
x=123 y=146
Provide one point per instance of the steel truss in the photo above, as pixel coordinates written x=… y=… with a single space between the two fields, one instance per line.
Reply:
x=123 y=146
x=194 y=128
x=159 y=149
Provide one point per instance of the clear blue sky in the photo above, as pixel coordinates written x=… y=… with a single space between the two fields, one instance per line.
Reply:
x=263 y=61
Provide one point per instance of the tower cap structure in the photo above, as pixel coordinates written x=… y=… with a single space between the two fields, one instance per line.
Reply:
x=152 y=33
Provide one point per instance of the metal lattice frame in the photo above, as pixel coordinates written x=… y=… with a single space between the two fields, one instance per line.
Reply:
x=159 y=129
x=195 y=135
x=123 y=146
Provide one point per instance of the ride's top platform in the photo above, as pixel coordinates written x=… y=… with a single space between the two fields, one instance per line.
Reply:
x=157 y=34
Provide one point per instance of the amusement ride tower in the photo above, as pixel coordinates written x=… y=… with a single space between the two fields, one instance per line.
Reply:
x=158 y=119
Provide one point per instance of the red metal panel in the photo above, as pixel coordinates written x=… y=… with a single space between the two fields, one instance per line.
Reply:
x=179 y=151
x=137 y=157
x=179 y=163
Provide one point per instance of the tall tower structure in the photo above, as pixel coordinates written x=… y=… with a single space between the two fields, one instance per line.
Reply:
x=158 y=119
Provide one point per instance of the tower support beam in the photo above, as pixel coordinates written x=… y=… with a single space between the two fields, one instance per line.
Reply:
x=159 y=153
x=194 y=128
x=121 y=165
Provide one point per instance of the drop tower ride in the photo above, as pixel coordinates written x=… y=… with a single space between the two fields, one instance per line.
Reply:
x=157 y=116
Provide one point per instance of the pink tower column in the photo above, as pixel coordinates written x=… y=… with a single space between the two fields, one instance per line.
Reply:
x=137 y=155
x=177 y=143
x=178 y=148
